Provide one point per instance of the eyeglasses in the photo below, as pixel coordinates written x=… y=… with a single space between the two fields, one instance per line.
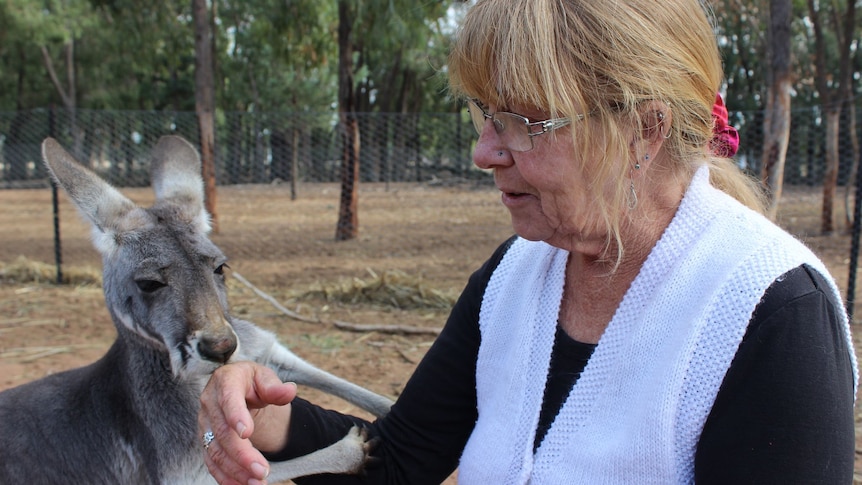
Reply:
x=515 y=131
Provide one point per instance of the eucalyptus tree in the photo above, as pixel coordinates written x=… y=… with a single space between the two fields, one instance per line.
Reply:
x=834 y=30
x=401 y=67
x=139 y=78
x=347 y=226
x=23 y=83
x=42 y=34
x=382 y=64
x=821 y=35
x=55 y=25
x=776 y=123
x=401 y=73
x=141 y=67
x=279 y=57
x=741 y=31
x=53 y=28
x=203 y=18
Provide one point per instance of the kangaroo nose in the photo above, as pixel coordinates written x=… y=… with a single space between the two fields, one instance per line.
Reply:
x=217 y=349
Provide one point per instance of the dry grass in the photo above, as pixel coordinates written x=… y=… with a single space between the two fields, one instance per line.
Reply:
x=26 y=271
x=392 y=288
x=417 y=247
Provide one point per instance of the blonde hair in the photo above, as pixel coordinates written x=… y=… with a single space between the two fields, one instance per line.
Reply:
x=608 y=58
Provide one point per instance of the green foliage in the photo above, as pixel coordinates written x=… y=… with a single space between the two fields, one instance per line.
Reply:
x=277 y=55
x=281 y=55
x=741 y=26
x=271 y=55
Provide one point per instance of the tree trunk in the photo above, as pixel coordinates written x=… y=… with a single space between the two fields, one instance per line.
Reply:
x=850 y=186
x=348 y=216
x=205 y=104
x=847 y=74
x=830 y=175
x=776 y=123
x=832 y=91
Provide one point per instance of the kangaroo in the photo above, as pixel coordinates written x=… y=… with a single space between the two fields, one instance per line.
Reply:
x=131 y=417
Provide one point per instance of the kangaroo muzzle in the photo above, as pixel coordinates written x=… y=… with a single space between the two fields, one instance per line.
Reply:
x=218 y=348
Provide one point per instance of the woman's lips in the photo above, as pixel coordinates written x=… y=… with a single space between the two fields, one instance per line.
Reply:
x=513 y=199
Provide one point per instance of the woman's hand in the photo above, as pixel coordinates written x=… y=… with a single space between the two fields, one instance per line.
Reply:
x=244 y=405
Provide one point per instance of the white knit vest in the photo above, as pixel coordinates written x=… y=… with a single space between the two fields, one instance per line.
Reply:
x=636 y=413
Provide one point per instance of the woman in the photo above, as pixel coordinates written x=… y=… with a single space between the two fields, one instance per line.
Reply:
x=646 y=324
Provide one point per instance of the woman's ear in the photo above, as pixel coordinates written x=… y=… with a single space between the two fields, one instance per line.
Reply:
x=656 y=120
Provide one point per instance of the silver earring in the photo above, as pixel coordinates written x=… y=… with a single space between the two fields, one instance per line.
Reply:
x=632 y=196
x=660 y=117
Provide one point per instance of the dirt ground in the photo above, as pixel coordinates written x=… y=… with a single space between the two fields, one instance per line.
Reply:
x=433 y=237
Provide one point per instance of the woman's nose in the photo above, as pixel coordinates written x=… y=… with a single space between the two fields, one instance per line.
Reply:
x=490 y=152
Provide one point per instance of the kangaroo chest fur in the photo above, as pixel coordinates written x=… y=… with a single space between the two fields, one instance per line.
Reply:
x=99 y=424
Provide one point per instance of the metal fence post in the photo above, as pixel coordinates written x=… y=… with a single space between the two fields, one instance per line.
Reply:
x=55 y=202
x=854 y=242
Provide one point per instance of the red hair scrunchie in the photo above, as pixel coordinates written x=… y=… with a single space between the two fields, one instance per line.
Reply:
x=725 y=138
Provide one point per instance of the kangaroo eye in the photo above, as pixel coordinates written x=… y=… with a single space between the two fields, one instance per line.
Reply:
x=221 y=269
x=149 y=286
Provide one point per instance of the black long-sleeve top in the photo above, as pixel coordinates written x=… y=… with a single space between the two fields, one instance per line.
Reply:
x=783 y=414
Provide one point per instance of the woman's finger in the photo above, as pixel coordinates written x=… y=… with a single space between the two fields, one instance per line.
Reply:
x=224 y=458
x=229 y=404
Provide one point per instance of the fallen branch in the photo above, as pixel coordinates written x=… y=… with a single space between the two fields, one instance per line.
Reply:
x=353 y=327
x=397 y=329
x=273 y=301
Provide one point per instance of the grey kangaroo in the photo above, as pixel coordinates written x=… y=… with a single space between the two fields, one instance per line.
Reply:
x=131 y=417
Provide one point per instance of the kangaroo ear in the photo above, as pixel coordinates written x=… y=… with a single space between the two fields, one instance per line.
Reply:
x=110 y=212
x=176 y=178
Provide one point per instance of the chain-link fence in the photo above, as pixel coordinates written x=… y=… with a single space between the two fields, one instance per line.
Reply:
x=255 y=148
x=252 y=148
x=304 y=149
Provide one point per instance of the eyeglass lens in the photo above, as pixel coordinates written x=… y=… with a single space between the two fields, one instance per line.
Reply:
x=511 y=128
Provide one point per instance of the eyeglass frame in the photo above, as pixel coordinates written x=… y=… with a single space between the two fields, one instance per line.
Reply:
x=545 y=126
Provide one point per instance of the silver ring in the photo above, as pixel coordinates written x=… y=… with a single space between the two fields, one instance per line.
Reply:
x=208 y=438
